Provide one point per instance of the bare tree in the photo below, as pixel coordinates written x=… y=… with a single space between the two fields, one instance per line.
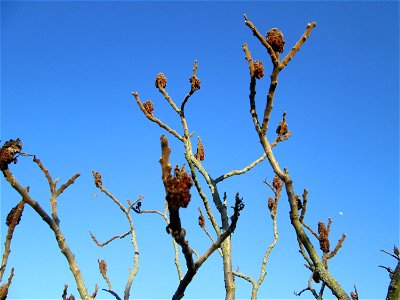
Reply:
x=178 y=183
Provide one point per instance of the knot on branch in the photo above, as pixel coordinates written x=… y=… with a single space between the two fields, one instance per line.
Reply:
x=275 y=38
x=8 y=153
x=258 y=69
x=178 y=188
x=161 y=81
x=149 y=107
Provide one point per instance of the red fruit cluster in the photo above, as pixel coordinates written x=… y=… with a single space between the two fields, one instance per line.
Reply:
x=200 y=154
x=178 y=188
x=8 y=152
x=277 y=183
x=161 y=81
x=10 y=216
x=258 y=69
x=282 y=129
x=149 y=107
x=272 y=206
x=195 y=82
x=323 y=237
x=275 y=39
x=97 y=179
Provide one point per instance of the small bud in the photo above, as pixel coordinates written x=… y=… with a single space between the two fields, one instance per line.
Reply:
x=258 y=69
x=161 y=81
x=275 y=39
x=149 y=107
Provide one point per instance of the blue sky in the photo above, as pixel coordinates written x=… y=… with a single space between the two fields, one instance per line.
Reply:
x=67 y=73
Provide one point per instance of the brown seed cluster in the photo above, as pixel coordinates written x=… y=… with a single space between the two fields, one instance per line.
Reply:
x=277 y=183
x=161 y=81
x=97 y=179
x=275 y=39
x=200 y=150
x=10 y=216
x=178 y=188
x=149 y=107
x=202 y=221
x=283 y=128
x=195 y=82
x=272 y=206
x=323 y=237
x=8 y=152
x=258 y=69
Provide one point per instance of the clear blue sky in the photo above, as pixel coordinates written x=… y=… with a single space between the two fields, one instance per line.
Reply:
x=67 y=73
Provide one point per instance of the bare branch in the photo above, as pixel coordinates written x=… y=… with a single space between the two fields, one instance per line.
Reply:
x=13 y=219
x=121 y=236
x=62 y=244
x=300 y=42
x=126 y=210
x=4 y=288
x=192 y=271
x=195 y=85
x=242 y=171
x=154 y=119
x=256 y=33
x=103 y=272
